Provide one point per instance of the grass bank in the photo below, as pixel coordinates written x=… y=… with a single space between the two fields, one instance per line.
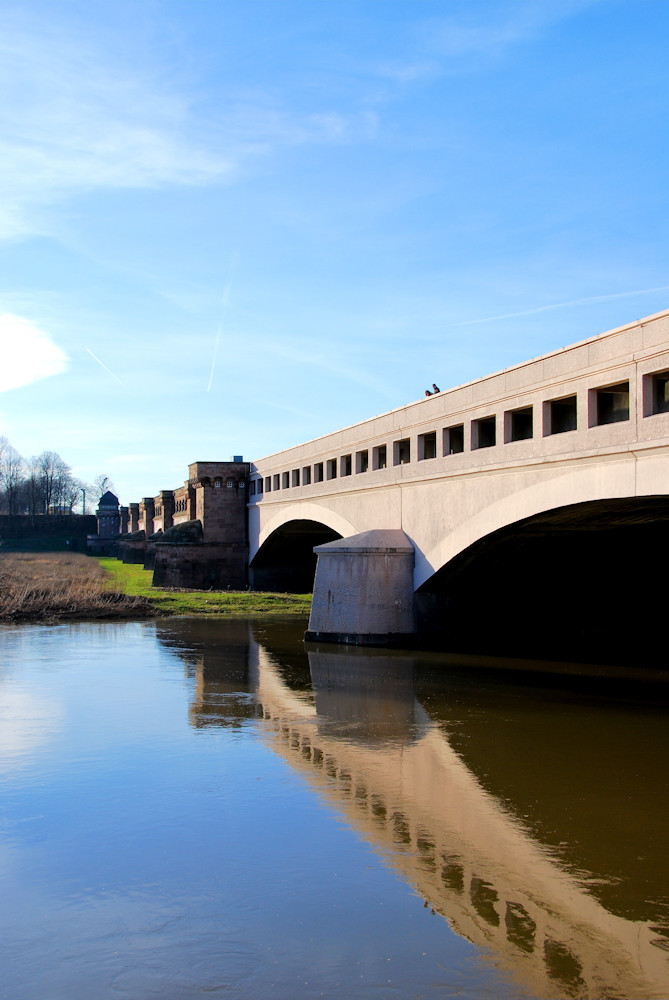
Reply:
x=136 y=581
x=56 y=586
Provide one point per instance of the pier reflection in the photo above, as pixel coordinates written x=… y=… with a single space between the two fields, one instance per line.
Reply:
x=521 y=807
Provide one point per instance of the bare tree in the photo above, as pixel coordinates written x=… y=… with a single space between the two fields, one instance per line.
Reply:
x=100 y=485
x=44 y=484
x=71 y=493
x=11 y=477
x=53 y=476
x=33 y=494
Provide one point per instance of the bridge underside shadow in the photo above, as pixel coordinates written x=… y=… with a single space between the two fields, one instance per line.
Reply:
x=286 y=562
x=577 y=582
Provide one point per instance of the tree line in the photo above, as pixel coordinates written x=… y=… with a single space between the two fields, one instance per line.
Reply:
x=44 y=484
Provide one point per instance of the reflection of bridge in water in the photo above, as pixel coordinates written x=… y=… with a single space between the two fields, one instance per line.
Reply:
x=361 y=738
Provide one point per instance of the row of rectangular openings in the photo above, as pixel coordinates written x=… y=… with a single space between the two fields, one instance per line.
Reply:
x=281 y=480
x=606 y=405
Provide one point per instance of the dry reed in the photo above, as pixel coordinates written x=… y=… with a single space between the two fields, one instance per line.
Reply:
x=50 y=587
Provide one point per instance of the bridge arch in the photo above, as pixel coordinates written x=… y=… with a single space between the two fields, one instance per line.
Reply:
x=285 y=560
x=560 y=487
x=316 y=512
x=582 y=577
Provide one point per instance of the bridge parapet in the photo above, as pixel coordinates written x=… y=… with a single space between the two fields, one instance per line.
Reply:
x=600 y=395
x=586 y=424
x=576 y=427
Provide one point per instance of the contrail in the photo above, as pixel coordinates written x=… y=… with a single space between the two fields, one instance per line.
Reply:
x=225 y=298
x=213 y=360
x=104 y=366
x=562 y=305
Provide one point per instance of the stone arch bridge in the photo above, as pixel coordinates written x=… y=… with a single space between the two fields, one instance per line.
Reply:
x=543 y=487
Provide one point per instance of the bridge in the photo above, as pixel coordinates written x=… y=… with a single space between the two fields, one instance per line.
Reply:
x=534 y=497
x=545 y=482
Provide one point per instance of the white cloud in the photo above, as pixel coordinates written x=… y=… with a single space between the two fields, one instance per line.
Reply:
x=489 y=29
x=72 y=121
x=27 y=353
x=76 y=118
x=468 y=38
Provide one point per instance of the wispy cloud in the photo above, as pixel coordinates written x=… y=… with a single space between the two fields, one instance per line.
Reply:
x=452 y=42
x=71 y=120
x=492 y=28
x=301 y=353
x=28 y=353
x=562 y=305
x=76 y=119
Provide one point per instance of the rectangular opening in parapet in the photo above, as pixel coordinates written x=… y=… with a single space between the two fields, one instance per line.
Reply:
x=345 y=467
x=560 y=415
x=656 y=393
x=361 y=461
x=518 y=424
x=285 y=480
x=402 y=452
x=379 y=457
x=318 y=472
x=609 y=405
x=276 y=481
x=454 y=439
x=332 y=468
x=427 y=445
x=295 y=477
x=484 y=432
x=306 y=475
x=268 y=484
x=259 y=486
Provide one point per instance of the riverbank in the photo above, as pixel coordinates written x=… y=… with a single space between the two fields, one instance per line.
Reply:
x=58 y=586
x=52 y=587
x=136 y=581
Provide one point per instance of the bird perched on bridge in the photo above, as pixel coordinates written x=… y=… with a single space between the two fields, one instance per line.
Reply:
x=435 y=387
x=427 y=392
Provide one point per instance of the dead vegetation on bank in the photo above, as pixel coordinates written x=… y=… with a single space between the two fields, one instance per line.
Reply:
x=52 y=587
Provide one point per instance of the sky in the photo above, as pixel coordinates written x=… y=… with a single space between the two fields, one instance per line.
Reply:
x=230 y=226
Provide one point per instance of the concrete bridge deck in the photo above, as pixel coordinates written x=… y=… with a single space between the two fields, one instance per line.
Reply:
x=588 y=423
x=561 y=449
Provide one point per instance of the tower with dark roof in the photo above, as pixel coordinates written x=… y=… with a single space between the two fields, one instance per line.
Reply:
x=108 y=515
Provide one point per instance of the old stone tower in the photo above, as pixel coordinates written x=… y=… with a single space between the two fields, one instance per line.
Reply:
x=108 y=515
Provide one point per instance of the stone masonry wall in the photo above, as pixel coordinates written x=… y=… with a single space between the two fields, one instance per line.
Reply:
x=200 y=567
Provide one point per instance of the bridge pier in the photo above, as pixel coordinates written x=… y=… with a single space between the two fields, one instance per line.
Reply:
x=363 y=590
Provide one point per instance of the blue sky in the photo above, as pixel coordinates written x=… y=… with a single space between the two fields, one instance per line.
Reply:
x=227 y=227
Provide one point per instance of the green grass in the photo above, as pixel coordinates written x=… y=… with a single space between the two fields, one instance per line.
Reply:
x=136 y=581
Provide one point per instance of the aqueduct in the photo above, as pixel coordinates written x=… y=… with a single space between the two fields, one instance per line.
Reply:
x=554 y=473
x=545 y=485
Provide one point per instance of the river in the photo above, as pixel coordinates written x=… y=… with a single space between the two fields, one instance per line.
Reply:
x=192 y=808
